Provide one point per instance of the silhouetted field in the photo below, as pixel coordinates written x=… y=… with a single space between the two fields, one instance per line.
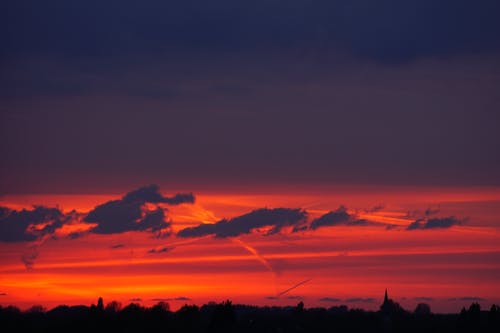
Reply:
x=226 y=317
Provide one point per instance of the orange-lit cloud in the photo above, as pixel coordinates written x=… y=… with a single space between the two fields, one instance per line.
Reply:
x=344 y=260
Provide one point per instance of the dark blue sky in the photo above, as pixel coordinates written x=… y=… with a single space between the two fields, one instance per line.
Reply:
x=107 y=95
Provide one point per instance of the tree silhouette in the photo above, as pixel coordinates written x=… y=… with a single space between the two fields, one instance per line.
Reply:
x=100 y=304
x=422 y=309
x=223 y=318
x=226 y=317
x=113 y=307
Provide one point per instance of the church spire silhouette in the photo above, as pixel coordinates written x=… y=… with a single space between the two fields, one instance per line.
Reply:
x=389 y=306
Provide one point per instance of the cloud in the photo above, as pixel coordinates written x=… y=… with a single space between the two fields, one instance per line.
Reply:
x=29 y=224
x=138 y=210
x=359 y=300
x=29 y=257
x=3 y=294
x=295 y=297
x=130 y=213
x=160 y=250
x=135 y=299
x=180 y=298
x=431 y=211
x=467 y=298
x=382 y=33
x=374 y=209
x=34 y=225
x=434 y=223
x=151 y=193
x=332 y=218
x=330 y=299
x=423 y=299
x=117 y=246
x=276 y=219
x=341 y=216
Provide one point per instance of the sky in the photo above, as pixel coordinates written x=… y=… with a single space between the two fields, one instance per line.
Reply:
x=194 y=151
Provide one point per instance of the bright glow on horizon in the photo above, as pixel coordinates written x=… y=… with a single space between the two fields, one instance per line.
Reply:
x=342 y=262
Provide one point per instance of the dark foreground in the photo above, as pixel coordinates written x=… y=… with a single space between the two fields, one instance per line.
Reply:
x=226 y=317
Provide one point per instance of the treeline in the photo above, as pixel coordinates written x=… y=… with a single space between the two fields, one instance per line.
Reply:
x=226 y=317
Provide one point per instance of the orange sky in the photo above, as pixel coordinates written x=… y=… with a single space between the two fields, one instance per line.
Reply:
x=342 y=262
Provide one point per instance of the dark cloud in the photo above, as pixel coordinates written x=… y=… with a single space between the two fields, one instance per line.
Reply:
x=431 y=211
x=359 y=300
x=29 y=224
x=135 y=299
x=274 y=68
x=332 y=218
x=152 y=194
x=29 y=257
x=160 y=250
x=276 y=218
x=117 y=246
x=341 y=216
x=34 y=226
x=423 y=299
x=434 y=223
x=129 y=214
x=374 y=209
x=468 y=299
x=295 y=297
x=3 y=294
x=330 y=299
x=180 y=298
x=390 y=31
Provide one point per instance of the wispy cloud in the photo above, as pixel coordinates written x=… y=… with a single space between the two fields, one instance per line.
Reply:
x=170 y=299
x=330 y=299
x=359 y=300
x=160 y=250
x=467 y=298
x=423 y=299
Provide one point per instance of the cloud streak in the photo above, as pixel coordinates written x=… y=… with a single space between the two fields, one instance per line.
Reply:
x=169 y=299
x=359 y=300
x=160 y=250
x=330 y=299
x=468 y=299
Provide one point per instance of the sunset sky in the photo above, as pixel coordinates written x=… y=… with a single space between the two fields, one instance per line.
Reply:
x=267 y=152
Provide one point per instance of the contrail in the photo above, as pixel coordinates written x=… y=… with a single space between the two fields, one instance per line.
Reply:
x=292 y=288
x=257 y=255
x=260 y=258
x=173 y=245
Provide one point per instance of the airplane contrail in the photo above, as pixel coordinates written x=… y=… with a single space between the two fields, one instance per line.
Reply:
x=257 y=255
x=260 y=258
x=292 y=288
